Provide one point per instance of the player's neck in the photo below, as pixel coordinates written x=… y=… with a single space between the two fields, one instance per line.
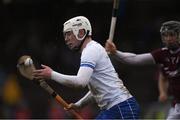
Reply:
x=87 y=40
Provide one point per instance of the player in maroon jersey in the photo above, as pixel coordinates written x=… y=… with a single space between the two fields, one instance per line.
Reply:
x=168 y=58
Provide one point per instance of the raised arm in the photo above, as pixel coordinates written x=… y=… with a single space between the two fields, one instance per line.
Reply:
x=129 y=58
x=135 y=59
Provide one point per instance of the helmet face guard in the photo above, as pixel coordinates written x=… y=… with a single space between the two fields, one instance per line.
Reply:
x=77 y=23
x=171 y=28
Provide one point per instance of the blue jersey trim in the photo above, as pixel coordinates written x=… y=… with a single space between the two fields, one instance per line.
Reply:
x=87 y=65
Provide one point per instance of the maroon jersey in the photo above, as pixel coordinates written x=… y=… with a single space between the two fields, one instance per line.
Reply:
x=169 y=62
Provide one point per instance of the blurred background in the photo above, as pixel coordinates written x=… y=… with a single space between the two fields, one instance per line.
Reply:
x=34 y=27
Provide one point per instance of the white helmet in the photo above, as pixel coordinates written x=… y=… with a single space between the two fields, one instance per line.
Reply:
x=77 y=23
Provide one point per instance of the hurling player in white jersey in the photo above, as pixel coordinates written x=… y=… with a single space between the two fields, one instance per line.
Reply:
x=96 y=71
x=169 y=60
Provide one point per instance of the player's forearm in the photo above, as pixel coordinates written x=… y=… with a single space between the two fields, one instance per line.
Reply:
x=162 y=84
x=79 y=80
x=85 y=100
x=64 y=79
x=134 y=59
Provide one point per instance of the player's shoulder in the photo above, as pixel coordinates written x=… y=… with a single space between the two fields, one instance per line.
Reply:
x=93 y=46
x=161 y=50
x=164 y=49
x=94 y=43
x=92 y=50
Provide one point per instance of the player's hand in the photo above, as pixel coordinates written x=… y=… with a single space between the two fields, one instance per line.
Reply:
x=72 y=106
x=110 y=47
x=163 y=97
x=44 y=73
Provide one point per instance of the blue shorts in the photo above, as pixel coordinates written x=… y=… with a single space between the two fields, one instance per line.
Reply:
x=128 y=109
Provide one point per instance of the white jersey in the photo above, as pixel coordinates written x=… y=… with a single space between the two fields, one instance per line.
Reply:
x=105 y=85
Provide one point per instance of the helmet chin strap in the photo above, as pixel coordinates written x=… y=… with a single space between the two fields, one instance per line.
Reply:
x=77 y=48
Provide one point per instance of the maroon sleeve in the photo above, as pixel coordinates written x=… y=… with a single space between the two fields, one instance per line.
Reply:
x=157 y=55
